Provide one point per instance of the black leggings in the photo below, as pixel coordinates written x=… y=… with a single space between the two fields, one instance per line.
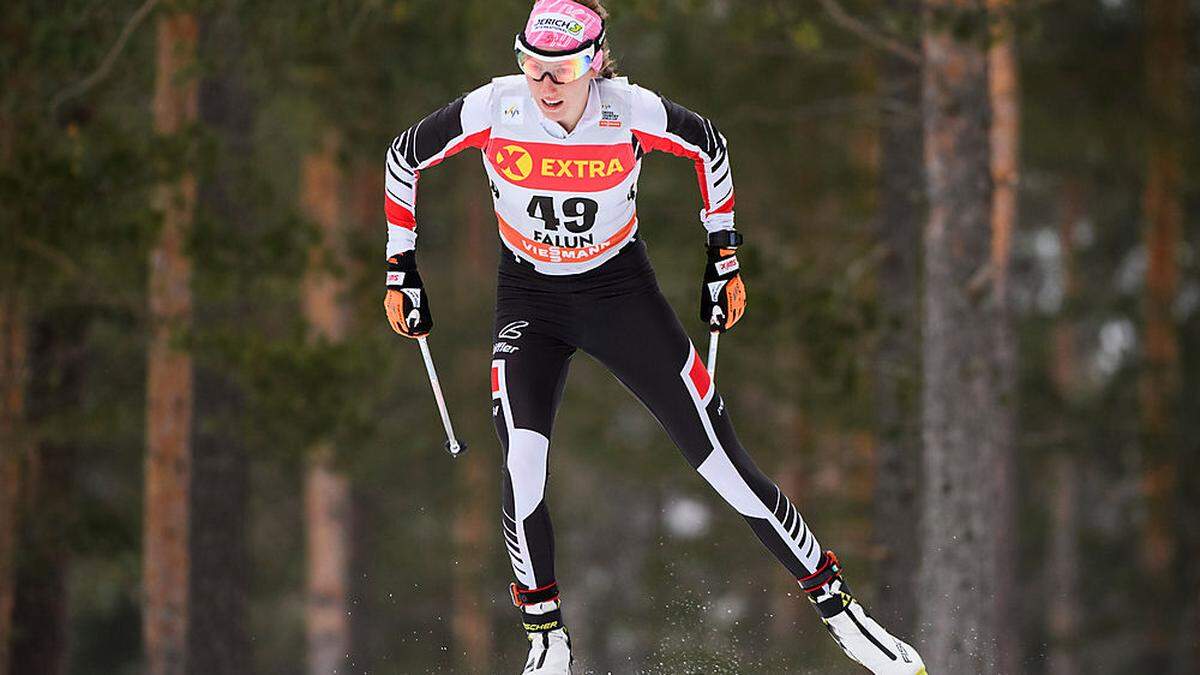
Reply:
x=617 y=314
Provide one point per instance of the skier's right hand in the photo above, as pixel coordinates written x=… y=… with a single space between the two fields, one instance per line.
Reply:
x=406 y=302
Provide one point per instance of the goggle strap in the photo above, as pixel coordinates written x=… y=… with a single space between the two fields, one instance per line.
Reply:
x=593 y=44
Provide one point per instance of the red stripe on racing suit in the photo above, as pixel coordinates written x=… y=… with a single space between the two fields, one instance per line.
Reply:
x=564 y=201
x=463 y=124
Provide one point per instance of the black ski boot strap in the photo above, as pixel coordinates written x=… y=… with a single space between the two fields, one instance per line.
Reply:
x=825 y=587
x=523 y=597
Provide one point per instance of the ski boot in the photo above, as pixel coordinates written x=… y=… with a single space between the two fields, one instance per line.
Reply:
x=863 y=640
x=549 y=642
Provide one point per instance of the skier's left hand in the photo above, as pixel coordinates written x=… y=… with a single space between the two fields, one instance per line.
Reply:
x=723 y=295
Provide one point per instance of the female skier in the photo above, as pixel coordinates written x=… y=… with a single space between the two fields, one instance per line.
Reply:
x=562 y=145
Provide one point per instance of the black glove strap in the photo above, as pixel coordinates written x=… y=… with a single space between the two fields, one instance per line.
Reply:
x=725 y=239
x=403 y=262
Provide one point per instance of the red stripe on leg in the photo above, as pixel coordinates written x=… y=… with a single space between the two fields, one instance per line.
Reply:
x=699 y=375
x=495 y=380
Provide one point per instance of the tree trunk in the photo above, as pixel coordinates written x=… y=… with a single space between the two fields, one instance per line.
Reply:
x=1005 y=137
x=327 y=492
x=40 y=637
x=1063 y=608
x=1004 y=92
x=1063 y=603
x=471 y=624
x=166 y=563
x=47 y=513
x=898 y=355
x=965 y=527
x=321 y=185
x=327 y=520
x=364 y=185
x=218 y=638
x=1166 y=75
x=14 y=375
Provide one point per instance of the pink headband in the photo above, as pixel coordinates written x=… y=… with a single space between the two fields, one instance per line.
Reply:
x=561 y=26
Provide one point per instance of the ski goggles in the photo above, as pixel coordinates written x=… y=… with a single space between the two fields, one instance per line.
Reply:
x=562 y=68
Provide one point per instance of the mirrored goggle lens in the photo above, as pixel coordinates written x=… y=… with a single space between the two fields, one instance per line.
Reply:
x=561 y=72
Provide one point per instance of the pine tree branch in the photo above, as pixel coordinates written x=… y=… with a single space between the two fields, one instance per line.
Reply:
x=866 y=32
x=56 y=256
x=81 y=87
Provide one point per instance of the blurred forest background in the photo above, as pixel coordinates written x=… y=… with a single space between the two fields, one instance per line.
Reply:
x=972 y=351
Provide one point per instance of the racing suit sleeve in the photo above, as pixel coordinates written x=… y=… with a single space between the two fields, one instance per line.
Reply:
x=661 y=124
x=465 y=123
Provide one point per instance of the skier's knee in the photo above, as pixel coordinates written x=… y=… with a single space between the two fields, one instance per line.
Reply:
x=526 y=463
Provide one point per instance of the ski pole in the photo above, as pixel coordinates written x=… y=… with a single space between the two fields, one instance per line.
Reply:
x=713 y=337
x=453 y=445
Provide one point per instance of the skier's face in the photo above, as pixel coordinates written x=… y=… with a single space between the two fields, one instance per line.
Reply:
x=562 y=103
